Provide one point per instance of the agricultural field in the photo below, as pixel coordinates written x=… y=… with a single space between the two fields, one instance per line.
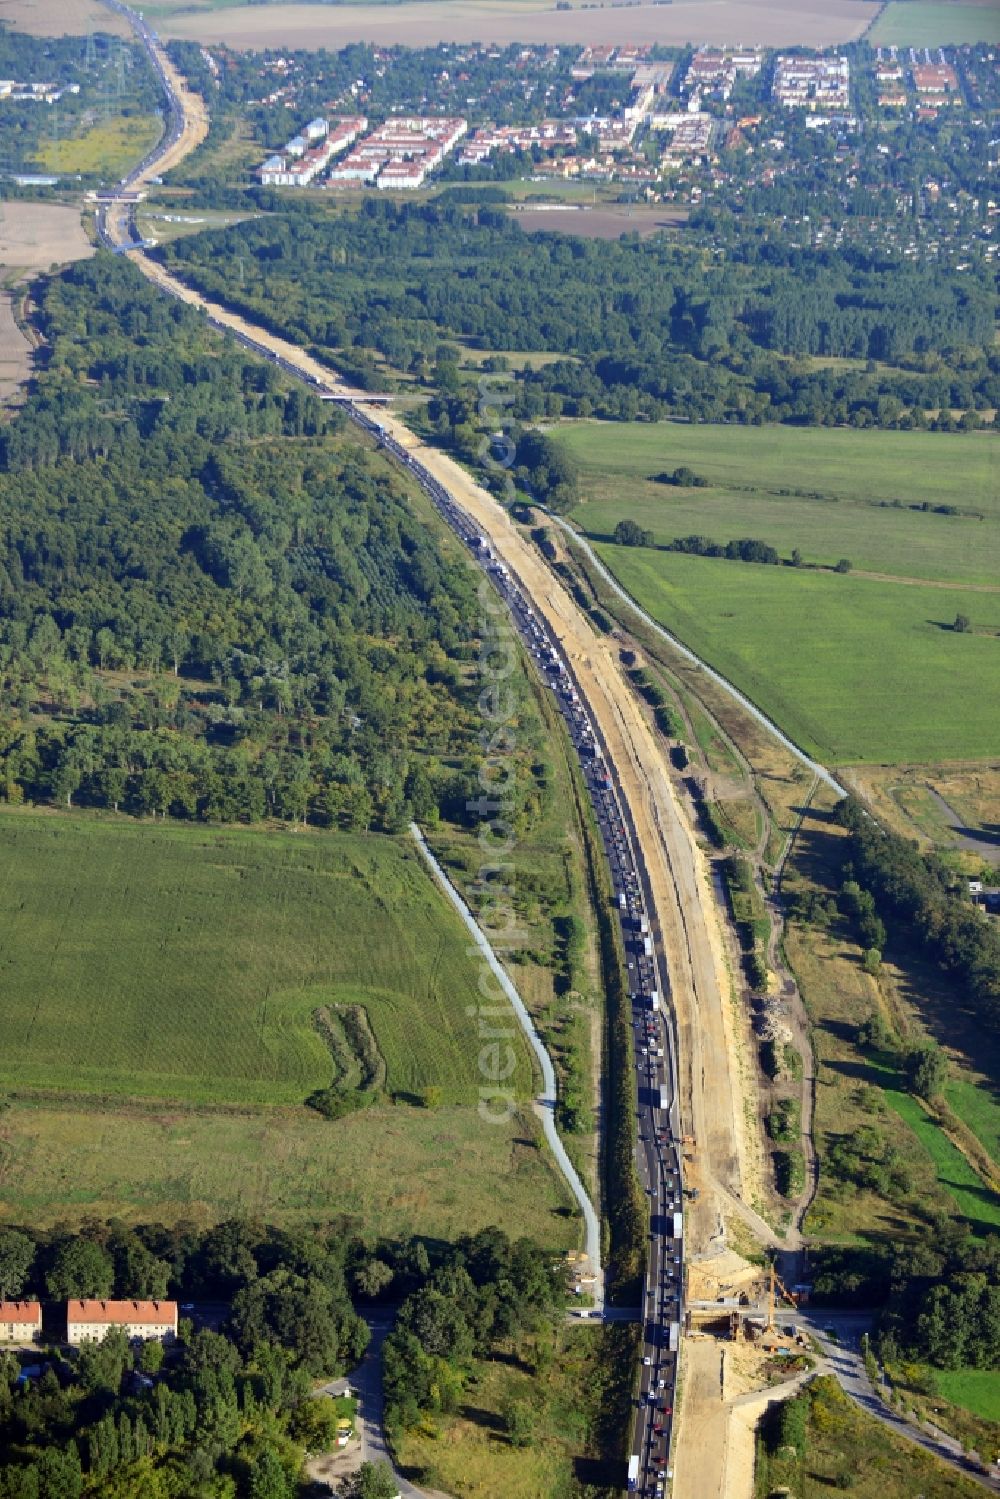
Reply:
x=822 y=653
x=853 y=669
x=33 y=236
x=829 y=492
x=423 y=23
x=106 y=149
x=14 y=351
x=165 y=963
x=157 y=1056
x=65 y=18
x=62 y=1161
x=924 y=23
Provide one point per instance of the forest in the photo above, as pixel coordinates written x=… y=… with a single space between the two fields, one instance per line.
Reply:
x=650 y=328
x=940 y=1295
x=230 y=1412
x=211 y=605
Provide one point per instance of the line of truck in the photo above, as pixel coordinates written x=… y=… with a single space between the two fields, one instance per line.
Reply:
x=659 y=1146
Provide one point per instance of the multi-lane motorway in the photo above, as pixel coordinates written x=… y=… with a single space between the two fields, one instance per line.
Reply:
x=659 y=1145
x=659 y=1159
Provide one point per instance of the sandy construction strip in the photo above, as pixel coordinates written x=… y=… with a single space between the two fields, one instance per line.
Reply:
x=808 y=23
x=15 y=351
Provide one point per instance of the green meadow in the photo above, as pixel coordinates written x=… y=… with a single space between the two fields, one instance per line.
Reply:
x=164 y=962
x=921 y=23
x=853 y=669
x=974 y=1200
x=830 y=492
x=856 y=667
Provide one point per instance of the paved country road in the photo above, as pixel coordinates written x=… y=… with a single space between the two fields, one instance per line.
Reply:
x=545 y=1104
x=843 y=1357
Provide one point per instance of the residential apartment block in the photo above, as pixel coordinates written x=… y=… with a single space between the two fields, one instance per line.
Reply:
x=20 y=1321
x=91 y=1321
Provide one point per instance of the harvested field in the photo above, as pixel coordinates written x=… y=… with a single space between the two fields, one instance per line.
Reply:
x=810 y=23
x=34 y=236
x=15 y=351
x=67 y=18
x=598 y=223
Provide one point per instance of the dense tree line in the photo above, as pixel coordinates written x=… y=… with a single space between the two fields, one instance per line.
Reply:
x=917 y=897
x=208 y=608
x=650 y=329
x=228 y=1413
x=940 y=1295
x=485 y=1291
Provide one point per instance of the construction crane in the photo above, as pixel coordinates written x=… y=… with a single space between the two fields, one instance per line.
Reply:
x=775 y=1284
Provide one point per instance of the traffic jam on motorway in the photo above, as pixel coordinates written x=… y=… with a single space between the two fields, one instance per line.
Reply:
x=659 y=1153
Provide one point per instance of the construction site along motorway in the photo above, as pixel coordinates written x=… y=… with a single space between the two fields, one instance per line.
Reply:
x=684 y=915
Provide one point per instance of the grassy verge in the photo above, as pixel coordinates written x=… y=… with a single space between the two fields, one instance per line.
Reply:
x=570 y=1387
x=841 y=1448
x=61 y=1163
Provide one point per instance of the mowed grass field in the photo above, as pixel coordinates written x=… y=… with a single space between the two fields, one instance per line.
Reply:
x=921 y=23
x=975 y=1201
x=171 y=963
x=850 y=473
x=975 y=1390
x=978 y=1106
x=439 y=1172
x=855 y=667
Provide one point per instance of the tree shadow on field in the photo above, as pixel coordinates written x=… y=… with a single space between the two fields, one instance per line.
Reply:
x=488 y=1420
x=512 y=1361
x=597 y=1473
